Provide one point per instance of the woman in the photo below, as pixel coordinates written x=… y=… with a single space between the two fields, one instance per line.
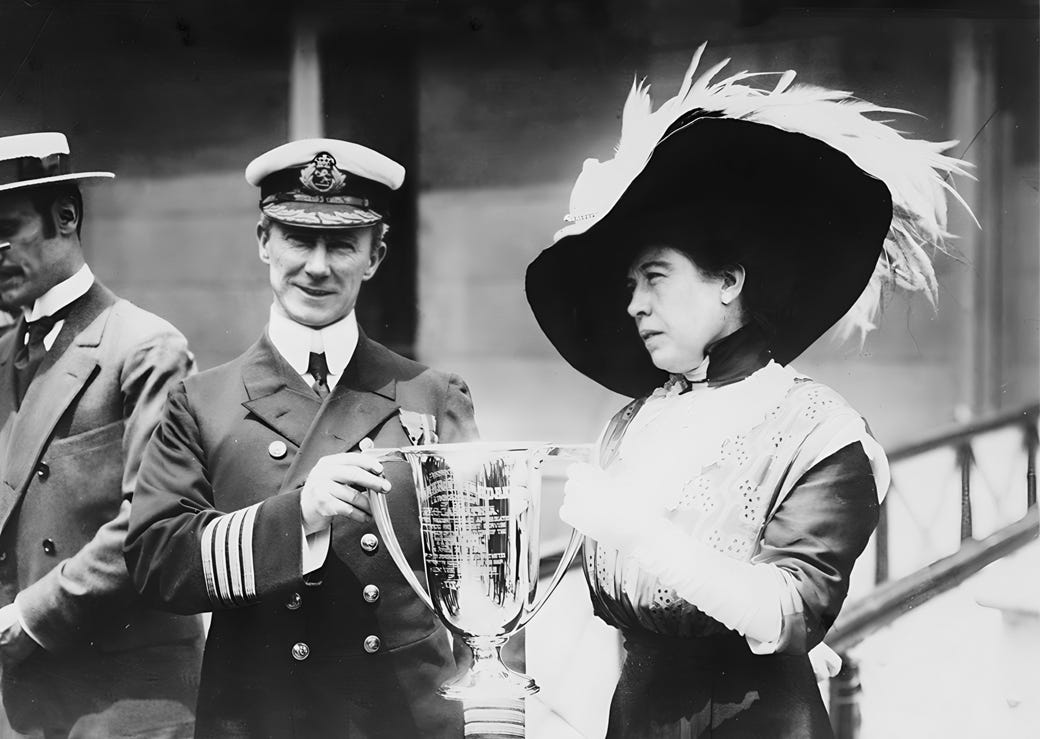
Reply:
x=733 y=227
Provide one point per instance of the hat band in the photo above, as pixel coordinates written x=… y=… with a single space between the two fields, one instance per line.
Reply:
x=26 y=169
x=301 y=197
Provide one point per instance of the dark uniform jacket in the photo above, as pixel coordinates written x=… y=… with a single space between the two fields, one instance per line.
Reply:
x=69 y=457
x=351 y=651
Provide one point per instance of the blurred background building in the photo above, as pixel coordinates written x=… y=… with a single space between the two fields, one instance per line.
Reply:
x=492 y=107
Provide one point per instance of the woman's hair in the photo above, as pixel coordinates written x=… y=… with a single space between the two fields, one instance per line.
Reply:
x=717 y=242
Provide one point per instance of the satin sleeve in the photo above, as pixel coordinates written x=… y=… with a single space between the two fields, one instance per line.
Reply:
x=813 y=540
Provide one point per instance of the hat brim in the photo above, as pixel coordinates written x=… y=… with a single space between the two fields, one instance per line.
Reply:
x=321 y=215
x=828 y=216
x=72 y=176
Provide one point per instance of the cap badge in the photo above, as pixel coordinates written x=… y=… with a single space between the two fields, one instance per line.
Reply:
x=322 y=176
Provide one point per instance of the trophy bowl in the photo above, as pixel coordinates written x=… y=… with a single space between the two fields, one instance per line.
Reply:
x=479 y=506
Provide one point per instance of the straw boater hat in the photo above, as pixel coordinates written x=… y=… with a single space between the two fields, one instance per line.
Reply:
x=36 y=159
x=822 y=205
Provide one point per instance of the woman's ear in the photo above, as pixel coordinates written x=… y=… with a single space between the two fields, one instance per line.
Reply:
x=732 y=283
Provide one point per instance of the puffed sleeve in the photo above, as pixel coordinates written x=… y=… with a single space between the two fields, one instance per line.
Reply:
x=789 y=594
x=814 y=538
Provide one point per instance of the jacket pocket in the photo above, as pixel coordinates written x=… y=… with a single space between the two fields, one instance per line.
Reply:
x=77 y=488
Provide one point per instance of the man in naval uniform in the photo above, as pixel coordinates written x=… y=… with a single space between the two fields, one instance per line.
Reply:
x=252 y=499
x=83 y=378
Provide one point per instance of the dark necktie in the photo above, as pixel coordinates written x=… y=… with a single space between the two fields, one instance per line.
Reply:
x=31 y=350
x=318 y=368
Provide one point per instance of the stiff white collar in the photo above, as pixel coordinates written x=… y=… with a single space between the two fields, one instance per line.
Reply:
x=61 y=295
x=698 y=373
x=295 y=342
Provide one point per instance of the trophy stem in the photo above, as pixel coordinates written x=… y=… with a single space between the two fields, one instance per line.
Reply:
x=488 y=677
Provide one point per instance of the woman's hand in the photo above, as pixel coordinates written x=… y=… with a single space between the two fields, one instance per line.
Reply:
x=606 y=509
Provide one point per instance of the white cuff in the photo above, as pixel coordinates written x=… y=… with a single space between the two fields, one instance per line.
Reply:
x=315 y=549
x=21 y=621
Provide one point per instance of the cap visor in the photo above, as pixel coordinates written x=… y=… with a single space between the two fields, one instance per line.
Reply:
x=321 y=215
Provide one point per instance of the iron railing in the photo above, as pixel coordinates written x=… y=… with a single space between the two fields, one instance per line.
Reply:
x=892 y=598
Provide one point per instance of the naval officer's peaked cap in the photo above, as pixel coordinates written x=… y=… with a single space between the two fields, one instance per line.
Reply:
x=324 y=183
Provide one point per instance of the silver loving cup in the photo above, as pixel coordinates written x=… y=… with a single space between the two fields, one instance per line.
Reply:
x=479 y=507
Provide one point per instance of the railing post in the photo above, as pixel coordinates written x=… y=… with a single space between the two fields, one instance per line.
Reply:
x=881 y=545
x=1032 y=441
x=965 y=458
x=844 y=700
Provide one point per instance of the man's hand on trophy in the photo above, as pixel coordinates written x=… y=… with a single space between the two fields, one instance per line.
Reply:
x=338 y=485
x=607 y=509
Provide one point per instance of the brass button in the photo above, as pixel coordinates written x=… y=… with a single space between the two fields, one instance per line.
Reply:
x=370 y=593
x=43 y=470
x=277 y=449
x=369 y=543
x=372 y=644
x=3 y=556
x=300 y=651
x=49 y=547
x=294 y=602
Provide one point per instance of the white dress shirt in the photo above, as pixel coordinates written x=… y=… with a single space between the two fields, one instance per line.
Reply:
x=295 y=342
x=56 y=298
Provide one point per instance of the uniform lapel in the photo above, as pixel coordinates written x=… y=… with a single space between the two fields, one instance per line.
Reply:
x=363 y=398
x=278 y=396
x=69 y=365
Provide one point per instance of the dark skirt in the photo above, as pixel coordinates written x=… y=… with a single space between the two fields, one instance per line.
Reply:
x=713 y=687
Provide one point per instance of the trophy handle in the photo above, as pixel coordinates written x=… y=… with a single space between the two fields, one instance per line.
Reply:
x=577 y=452
x=381 y=514
x=561 y=569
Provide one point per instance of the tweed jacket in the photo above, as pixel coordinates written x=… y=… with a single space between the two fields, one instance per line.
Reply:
x=347 y=651
x=69 y=457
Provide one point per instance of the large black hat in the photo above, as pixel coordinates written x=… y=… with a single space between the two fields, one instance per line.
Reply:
x=817 y=202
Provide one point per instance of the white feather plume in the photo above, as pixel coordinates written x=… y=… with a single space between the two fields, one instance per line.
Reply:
x=915 y=171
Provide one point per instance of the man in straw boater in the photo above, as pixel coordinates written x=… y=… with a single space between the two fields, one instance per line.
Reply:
x=253 y=497
x=83 y=377
x=733 y=227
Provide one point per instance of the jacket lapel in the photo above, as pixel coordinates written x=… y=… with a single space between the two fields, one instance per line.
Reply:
x=363 y=398
x=278 y=396
x=7 y=393
x=57 y=383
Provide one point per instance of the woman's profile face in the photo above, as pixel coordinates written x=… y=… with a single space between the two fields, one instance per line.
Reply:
x=678 y=309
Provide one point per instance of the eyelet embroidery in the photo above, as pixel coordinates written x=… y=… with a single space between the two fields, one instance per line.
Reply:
x=697 y=495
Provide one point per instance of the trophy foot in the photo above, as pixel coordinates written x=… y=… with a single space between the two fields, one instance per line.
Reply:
x=488 y=678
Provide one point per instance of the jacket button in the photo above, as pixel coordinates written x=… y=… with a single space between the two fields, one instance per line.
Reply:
x=372 y=644
x=294 y=602
x=370 y=593
x=48 y=546
x=3 y=556
x=300 y=651
x=369 y=543
x=43 y=470
x=277 y=449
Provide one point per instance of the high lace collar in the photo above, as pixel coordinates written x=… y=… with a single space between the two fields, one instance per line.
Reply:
x=732 y=358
